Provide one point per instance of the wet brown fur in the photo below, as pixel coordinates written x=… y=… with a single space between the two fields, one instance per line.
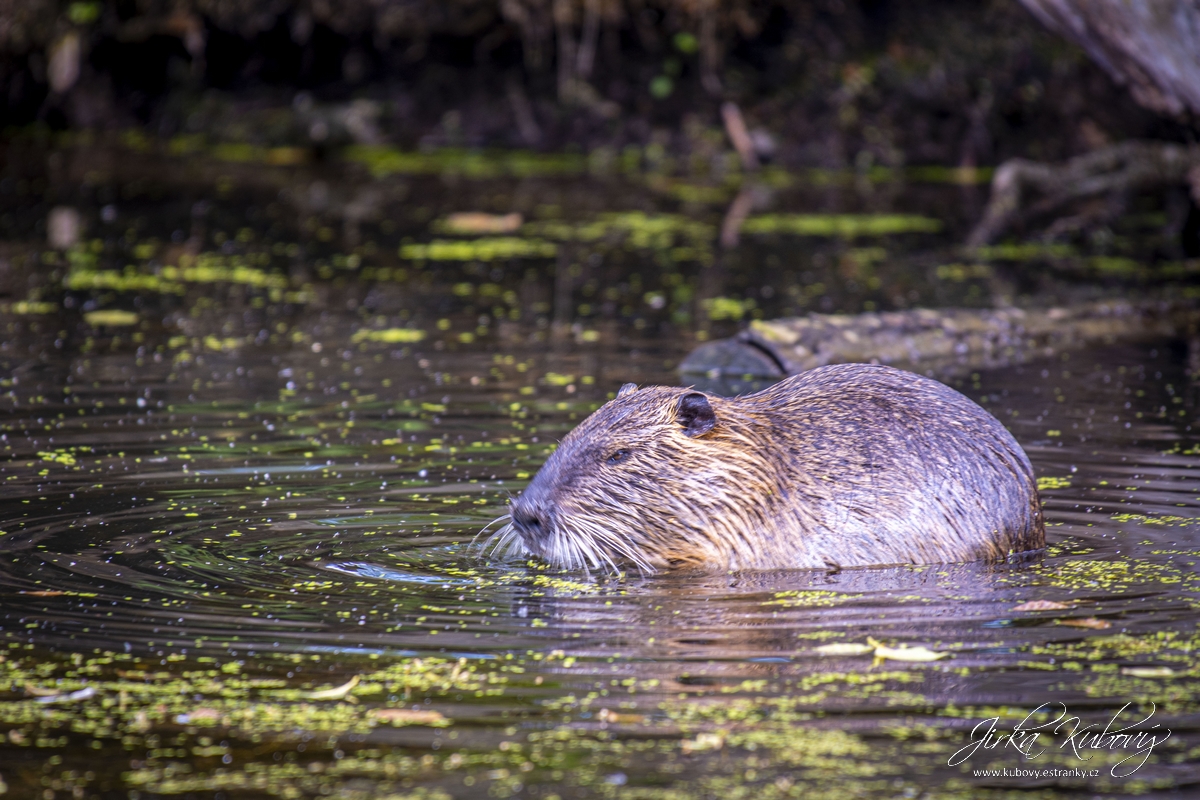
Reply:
x=850 y=465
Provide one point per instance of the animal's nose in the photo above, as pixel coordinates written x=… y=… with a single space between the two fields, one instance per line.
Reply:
x=530 y=518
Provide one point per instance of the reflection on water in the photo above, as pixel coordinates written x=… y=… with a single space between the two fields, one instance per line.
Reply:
x=237 y=561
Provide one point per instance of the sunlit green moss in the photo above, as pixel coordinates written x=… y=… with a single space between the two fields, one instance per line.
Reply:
x=847 y=226
x=966 y=176
x=383 y=160
x=1024 y=252
x=127 y=280
x=1118 y=266
x=241 y=152
x=389 y=335
x=112 y=317
x=206 y=268
x=1052 y=482
x=719 y=308
x=962 y=272
x=488 y=248
x=215 y=268
x=30 y=307
x=696 y=194
x=84 y=13
x=682 y=237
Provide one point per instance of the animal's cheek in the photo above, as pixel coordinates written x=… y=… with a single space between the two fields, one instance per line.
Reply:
x=569 y=477
x=588 y=493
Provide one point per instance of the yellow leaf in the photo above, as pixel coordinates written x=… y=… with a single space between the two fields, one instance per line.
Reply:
x=1042 y=605
x=1086 y=622
x=1148 y=672
x=844 y=649
x=905 y=653
x=336 y=693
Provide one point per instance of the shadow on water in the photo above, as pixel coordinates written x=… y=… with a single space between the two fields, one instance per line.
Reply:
x=237 y=521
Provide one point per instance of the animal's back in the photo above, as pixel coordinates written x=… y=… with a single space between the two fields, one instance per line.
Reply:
x=854 y=465
x=885 y=466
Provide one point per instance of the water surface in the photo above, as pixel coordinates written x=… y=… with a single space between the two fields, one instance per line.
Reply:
x=243 y=477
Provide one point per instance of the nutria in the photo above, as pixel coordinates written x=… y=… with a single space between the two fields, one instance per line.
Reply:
x=845 y=465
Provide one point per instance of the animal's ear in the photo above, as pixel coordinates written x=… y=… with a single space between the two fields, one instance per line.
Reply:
x=628 y=388
x=695 y=414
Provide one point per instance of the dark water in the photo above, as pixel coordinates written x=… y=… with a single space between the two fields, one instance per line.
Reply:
x=239 y=503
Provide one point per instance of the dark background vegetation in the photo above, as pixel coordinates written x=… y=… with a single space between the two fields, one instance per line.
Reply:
x=832 y=83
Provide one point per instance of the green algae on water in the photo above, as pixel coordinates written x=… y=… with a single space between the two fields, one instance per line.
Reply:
x=1024 y=252
x=383 y=161
x=847 y=226
x=388 y=335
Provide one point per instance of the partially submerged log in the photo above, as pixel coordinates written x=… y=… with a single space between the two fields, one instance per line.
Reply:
x=941 y=341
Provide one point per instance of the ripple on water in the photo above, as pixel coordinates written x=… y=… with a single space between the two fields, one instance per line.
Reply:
x=251 y=570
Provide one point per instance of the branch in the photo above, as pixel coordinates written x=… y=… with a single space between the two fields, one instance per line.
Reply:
x=1126 y=167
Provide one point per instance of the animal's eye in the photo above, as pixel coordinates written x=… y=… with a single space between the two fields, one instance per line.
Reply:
x=617 y=456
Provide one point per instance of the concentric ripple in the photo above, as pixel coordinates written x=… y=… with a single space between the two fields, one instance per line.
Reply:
x=319 y=550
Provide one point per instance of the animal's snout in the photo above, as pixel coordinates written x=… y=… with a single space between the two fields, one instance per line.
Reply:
x=531 y=519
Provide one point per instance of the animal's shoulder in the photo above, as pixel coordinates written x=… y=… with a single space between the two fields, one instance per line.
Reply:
x=848 y=383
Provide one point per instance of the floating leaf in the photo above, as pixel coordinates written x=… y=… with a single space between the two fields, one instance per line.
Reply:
x=1148 y=672
x=1086 y=622
x=844 y=649
x=73 y=697
x=336 y=693
x=478 y=222
x=205 y=713
x=202 y=714
x=1042 y=605
x=615 y=717
x=704 y=741
x=905 y=653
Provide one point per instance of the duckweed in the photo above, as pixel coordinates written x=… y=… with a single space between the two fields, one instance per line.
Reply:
x=487 y=248
x=1052 y=482
x=112 y=317
x=1115 y=575
x=814 y=598
x=1024 y=252
x=389 y=335
x=847 y=226
x=238 y=535
x=383 y=161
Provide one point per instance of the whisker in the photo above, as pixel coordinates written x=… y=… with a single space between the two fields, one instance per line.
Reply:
x=501 y=543
x=602 y=535
x=596 y=537
x=634 y=558
x=593 y=534
x=577 y=546
x=490 y=524
x=616 y=570
x=583 y=542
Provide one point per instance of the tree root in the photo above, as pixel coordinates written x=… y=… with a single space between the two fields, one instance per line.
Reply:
x=1023 y=191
